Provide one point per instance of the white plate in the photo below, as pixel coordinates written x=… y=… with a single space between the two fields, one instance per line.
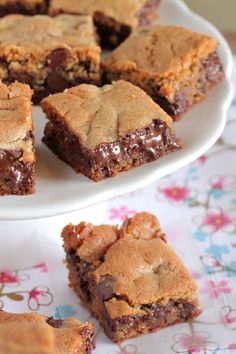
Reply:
x=60 y=190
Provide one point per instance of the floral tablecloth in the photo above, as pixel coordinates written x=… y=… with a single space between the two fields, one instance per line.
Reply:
x=197 y=210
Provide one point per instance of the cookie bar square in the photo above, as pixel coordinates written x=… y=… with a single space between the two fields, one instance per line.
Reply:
x=51 y=335
x=102 y=131
x=49 y=54
x=174 y=65
x=114 y=19
x=17 y=152
x=128 y=277
x=26 y=7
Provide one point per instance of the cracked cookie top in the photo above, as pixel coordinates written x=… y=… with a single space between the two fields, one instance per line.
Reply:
x=35 y=36
x=124 y=11
x=161 y=50
x=15 y=113
x=103 y=114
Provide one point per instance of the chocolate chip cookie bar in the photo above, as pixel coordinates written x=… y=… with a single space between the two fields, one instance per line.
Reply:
x=102 y=131
x=49 y=54
x=26 y=7
x=17 y=152
x=175 y=66
x=33 y=333
x=128 y=277
x=114 y=19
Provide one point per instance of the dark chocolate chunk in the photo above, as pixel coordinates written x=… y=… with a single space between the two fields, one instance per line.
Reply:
x=14 y=173
x=21 y=76
x=105 y=287
x=56 y=58
x=213 y=68
x=10 y=168
x=18 y=7
x=111 y=32
x=54 y=322
x=56 y=82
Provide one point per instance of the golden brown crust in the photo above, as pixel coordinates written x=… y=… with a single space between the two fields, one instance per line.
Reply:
x=123 y=11
x=141 y=226
x=161 y=53
x=34 y=37
x=69 y=337
x=161 y=49
x=116 y=110
x=90 y=242
x=146 y=272
x=15 y=114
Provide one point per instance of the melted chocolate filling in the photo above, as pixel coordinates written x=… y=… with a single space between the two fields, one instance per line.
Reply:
x=14 y=173
x=134 y=149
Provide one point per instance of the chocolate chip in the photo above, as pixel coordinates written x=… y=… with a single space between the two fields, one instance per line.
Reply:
x=56 y=82
x=105 y=287
x=54 y=323
x=213 y=68
x=11 y=170
x=21 y=76
x=56 y=57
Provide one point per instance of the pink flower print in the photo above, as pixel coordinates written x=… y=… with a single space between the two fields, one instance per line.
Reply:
x=218 y=185
x=217 y=220
x=176 y=192
x=214 y=289
x=39 y=296
x=232 y=346
x=121 y=213
x=8 y=278
x=210 y=261
x=222 y=183
x=202 y=159
x=228 y=317
x=42 y=267
x=194 y=343
x=128 y=349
